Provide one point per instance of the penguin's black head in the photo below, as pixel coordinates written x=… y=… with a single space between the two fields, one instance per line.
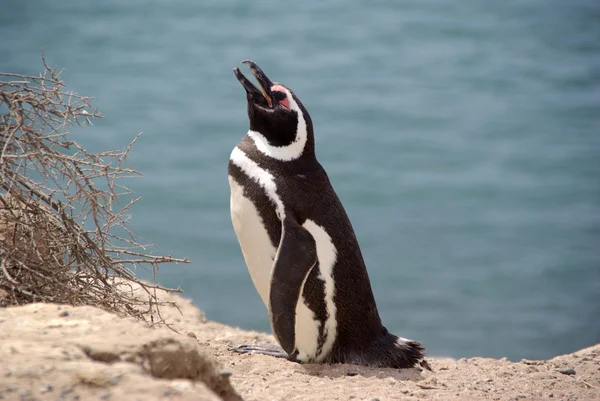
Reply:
x=274 y=110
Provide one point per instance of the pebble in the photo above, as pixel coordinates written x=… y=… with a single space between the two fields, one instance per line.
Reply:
x=192 y=335
x=63 y=314
x=568 y=371
x=351 y=373
x=46 y=388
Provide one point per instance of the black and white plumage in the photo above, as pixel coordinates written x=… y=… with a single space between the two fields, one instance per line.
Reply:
x=298 y=243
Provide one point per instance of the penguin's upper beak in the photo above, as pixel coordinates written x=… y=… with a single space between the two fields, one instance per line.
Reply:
x=257 y=95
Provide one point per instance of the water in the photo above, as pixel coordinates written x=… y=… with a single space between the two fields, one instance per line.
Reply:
x=462 y=137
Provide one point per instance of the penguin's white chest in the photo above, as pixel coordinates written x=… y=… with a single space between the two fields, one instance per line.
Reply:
x=254 y=239
x=259 y=255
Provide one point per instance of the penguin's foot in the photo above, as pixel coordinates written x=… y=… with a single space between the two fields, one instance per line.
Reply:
x=264 y=349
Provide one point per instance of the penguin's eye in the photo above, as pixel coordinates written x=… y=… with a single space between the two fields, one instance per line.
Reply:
x=281 y=99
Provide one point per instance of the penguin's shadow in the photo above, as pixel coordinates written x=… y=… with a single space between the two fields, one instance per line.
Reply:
x=343 y=370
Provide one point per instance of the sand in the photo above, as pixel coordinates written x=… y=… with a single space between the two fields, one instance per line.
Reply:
x=57 y=352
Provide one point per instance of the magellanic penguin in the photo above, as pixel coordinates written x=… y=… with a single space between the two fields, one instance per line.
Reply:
x=298 y=243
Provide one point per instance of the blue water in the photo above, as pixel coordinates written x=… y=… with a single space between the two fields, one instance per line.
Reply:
x=463 y=138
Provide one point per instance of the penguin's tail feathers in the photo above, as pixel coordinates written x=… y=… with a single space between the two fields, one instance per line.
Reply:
x=391 y=351
x=385 y=351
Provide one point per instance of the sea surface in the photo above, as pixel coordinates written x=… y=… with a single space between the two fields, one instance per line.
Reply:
x=463 y=138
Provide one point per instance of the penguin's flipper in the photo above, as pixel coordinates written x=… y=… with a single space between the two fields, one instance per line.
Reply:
x=296 y=256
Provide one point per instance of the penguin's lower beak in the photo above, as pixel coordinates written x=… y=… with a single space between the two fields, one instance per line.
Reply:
x=257 y=95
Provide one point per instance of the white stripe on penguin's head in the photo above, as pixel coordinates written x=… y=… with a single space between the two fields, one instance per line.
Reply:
x=280 y=126
x=294 y=149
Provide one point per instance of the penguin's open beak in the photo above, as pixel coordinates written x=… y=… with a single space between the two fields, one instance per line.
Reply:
x=257 y=95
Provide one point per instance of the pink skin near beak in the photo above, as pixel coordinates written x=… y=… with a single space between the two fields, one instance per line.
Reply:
x=285 y=102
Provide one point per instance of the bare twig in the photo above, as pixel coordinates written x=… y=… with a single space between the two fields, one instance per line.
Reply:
x=63 y=234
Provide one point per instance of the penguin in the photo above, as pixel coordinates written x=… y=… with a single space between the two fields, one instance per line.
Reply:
x=298 y=242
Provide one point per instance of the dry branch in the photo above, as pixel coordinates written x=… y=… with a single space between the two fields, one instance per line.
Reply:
x=63 y=232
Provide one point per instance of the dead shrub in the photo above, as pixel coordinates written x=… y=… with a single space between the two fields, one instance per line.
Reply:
x=63 y=226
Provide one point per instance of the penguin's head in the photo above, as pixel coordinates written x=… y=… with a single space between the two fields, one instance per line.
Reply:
x=277 y=117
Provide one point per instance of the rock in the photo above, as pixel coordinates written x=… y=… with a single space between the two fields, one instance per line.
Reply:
x=569 y=371
x=88 y=349
x=45 y=388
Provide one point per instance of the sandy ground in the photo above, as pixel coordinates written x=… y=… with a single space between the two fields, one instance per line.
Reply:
x=170 y=365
